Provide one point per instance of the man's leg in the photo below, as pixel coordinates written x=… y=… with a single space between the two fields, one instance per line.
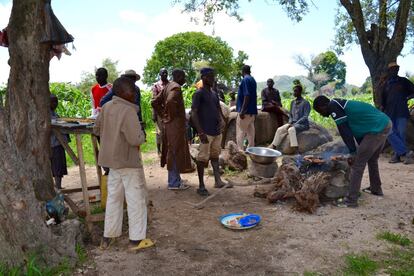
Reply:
x=396 y=141
x=215 y=150
x=174 y=178
x=58 y=182
x=240 y=132
x=251 y=132
x=114 y=205
x=281 y=132
x=292 y=137
x=202 y=161
x=136 y=194
x=370 y=146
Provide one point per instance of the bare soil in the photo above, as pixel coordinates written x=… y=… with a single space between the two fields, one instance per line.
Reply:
x=192 y=242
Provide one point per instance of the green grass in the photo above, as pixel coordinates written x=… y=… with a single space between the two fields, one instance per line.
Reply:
x=394 y=238
x=34 y=268
x=400 y=262
x=81 y=253
x=360 y=265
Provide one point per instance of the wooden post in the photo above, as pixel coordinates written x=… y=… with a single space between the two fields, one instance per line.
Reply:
x=95 y=154
x=84 y=183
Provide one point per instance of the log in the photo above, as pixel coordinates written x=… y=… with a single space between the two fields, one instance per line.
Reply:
x=264 y=181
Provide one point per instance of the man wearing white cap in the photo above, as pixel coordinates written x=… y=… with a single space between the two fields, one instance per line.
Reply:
x=395 y=95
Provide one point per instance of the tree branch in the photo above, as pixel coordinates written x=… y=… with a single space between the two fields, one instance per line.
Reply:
x=354 y=9
x=400 y=29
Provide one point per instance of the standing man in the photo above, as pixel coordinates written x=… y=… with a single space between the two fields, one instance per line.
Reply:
x=272 y=103
x=370 y=128
x=298 y=120
x=169 y=105
x=133 y=76
x=209 y=121
x=396 y=93
x=99 y=90
x=156 y=90
x=247 y=108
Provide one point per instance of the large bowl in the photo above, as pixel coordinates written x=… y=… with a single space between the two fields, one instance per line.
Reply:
x=263 y=155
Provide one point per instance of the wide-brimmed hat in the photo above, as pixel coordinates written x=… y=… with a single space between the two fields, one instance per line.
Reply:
x=393 y=64
x=131 y=73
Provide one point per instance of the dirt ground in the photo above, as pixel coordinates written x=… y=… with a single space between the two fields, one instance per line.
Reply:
x=192 y=242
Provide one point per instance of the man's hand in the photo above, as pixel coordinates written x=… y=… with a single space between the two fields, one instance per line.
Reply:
x=242 y=116
x=203 y=138
x=351 y=160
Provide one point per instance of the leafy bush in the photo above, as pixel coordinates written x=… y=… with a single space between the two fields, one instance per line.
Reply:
x=72 y=102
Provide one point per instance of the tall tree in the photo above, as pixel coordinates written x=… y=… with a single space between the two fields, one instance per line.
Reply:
x=185 y=50
x=380 y=27
x=25 y=175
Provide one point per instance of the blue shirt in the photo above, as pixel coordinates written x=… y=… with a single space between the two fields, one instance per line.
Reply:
x=247 y=87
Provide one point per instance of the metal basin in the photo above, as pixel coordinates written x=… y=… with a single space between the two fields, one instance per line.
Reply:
x=263 y=155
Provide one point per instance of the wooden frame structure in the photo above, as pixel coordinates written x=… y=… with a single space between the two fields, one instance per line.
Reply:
x=59 y=130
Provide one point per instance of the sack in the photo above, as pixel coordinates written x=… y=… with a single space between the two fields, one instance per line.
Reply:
x=54 y=31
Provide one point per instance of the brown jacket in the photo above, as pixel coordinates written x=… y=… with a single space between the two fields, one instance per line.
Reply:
x=121 y=134
x=169 y=105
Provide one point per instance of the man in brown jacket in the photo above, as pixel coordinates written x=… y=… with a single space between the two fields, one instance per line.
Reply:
x=169 y=105
x=121 y=136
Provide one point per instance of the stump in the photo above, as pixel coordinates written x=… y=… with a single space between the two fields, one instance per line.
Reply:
x=261 y=170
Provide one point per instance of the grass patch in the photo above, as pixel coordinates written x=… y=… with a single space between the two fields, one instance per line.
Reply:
x=394 y=238
x=97 y=209
x=230 y=173
x=34 y=268
x=360 y=265
x=400 y=262
x=81 y=253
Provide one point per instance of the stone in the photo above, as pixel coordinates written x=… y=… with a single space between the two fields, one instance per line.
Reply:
x=336 y=146
x=308 y=140
x=262 y=170
x=265 y=122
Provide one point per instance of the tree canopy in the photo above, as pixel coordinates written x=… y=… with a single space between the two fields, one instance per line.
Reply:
x=323 y=69
x=380 y=27
x=189 y=51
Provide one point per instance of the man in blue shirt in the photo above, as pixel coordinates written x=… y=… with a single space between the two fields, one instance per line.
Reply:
x=370 y=128
x=247 y=108
x=396 y=93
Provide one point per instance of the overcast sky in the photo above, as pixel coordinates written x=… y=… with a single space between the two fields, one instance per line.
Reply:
x=127 y=30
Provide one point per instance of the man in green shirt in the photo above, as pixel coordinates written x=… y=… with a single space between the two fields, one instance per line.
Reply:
x=369 y=127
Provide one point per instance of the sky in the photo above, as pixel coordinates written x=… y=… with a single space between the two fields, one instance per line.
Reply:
x=127 y=31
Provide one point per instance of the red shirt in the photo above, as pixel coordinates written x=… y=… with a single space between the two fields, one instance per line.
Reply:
x=98 y=92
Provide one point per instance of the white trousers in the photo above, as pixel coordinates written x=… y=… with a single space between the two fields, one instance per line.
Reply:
x=282 y=131
x=245 y=128
x=128 y=183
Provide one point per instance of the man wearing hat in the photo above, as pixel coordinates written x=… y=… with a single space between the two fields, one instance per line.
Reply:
x=397 y=91
x=131 y=74
x=207 y=118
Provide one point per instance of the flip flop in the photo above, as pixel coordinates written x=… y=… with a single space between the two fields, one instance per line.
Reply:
x=145 y=243
x=106 y=243
x=345 y=203
x=368 y=191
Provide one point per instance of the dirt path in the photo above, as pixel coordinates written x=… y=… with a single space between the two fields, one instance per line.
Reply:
x=192 y=242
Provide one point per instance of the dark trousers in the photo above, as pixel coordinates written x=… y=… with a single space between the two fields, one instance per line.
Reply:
x=368 y=152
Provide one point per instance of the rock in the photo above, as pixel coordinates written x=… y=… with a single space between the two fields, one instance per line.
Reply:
x=261 y=170
x=308 y=140
x=335 y=146
x=265 y=122
x=68 y=234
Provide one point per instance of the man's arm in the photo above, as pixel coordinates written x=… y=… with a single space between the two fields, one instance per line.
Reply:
x=264 y=97
x=195 y=118
x=131 y=128
x=108 y=97
x=306 y=112
x=347 y=136
x=246 y=99
x=278 y=99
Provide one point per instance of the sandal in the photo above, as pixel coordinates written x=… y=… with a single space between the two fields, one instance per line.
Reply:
x=368 y=191
x=345 y=203
x=145 y=243
x=106 y=243
x=183 y=186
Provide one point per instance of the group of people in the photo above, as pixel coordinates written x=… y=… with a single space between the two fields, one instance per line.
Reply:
x=363 y=128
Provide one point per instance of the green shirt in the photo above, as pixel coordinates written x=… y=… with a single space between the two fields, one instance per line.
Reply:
x=361 y=117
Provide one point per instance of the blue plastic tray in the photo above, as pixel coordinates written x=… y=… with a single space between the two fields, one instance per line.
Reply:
x=240 y=221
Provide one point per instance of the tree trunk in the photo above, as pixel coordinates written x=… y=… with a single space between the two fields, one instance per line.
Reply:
x=25 y=175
